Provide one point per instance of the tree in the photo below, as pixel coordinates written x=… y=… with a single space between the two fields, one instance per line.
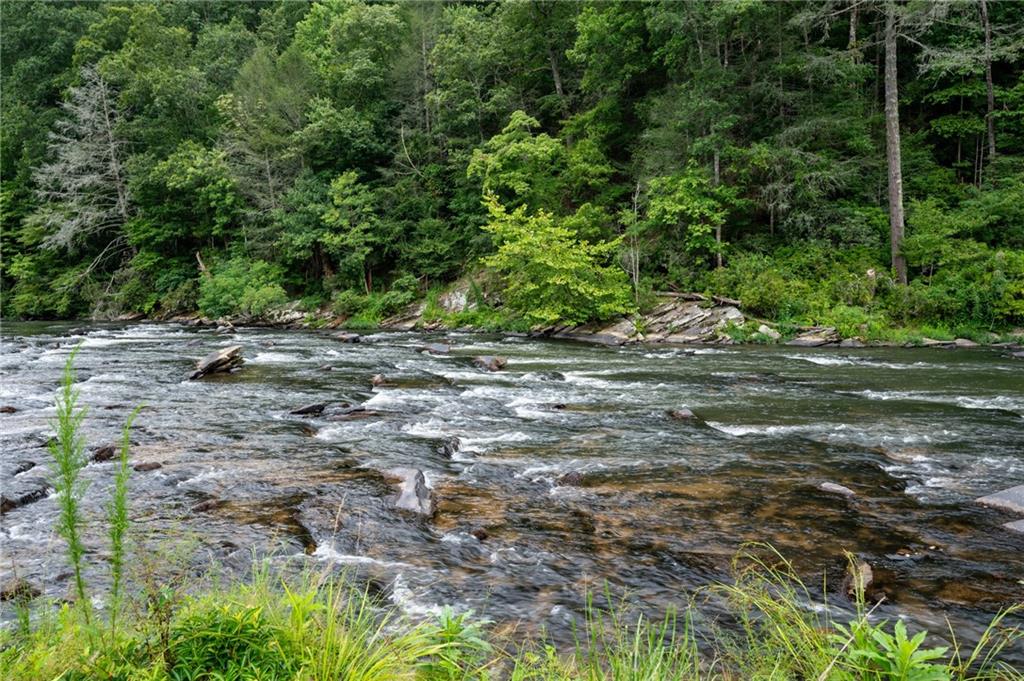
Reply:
x=893 y=153
x=83 y=191
x=551 y=277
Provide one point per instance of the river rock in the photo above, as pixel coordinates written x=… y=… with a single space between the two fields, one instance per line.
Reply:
x=449 y=446
x=1011 y=499
x=682 y=414
x=834 y=488
x=378 y=380
x=20 y=492
x=851 y=343
x=964 y=343
x=413 y=493
x=435 y=348
x=219 y=361
x=8 y=409
x=766 y=330
x=479 y=533
x=348 y=412
x=570 y=479
x=490 y=362
x=104 y=453
x=815 y=338
x=147 y=466
x=859 y=577
x=18 y=589
x=347 y=337
x=1016 y=526
x=310 y=409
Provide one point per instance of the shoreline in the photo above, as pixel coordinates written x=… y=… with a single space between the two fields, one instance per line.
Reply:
x=808 y=339
x=677 y=321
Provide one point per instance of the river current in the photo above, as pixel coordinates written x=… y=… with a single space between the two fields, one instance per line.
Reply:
x=659 y=506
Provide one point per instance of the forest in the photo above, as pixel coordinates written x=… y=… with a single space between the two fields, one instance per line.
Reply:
x=858 y=163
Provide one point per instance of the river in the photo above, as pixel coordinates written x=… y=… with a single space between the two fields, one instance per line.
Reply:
x=659 y=508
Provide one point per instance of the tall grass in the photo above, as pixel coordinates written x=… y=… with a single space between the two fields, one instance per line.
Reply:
x=117 y=523
x=68 y=452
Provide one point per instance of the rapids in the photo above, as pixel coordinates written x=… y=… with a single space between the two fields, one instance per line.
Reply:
x=663 y=504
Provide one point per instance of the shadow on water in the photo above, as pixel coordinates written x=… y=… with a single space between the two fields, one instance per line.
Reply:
x=560 y=474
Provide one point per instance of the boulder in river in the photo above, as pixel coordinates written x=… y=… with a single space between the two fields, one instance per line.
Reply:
x=378 y=380
x=347 y=337
x=219 y=361
x=1011 y=499
x=104 y=453
x=18 y=589
x=436 y=348
x=490 y=362
x=413 y=493
x=859 y=577
x=479 y=533
x=8 y=409
x=449 y=446
x=310 y=409
x=682 y=414
x=21 y=492
x=570 y=479
x=147 y=466
x=1016 y=526
x=835 y=488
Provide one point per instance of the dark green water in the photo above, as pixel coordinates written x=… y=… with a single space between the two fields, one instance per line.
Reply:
x=662 y=505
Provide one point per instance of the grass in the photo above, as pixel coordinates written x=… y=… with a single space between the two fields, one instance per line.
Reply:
x=319 y=626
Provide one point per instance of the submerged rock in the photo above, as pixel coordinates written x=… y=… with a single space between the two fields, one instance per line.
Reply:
x=219 y=361
x=8 y=409
x=348 y=337
x=18 y=589
x=835 y=488
x=682 y=414
x=413 y=493
x=435 y=348
x=490 y=362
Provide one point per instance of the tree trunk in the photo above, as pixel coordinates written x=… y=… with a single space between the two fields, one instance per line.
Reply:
x=892 y=146
x=718 y=227
x=989 y=120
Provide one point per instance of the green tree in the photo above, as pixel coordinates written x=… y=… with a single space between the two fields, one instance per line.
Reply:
x=551 y=277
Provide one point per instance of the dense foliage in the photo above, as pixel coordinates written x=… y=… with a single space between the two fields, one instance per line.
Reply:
x=324 y=151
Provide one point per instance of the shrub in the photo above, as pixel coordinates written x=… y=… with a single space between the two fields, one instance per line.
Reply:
x=241 y=286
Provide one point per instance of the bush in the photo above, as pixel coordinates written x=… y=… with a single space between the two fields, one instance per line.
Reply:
x=241 y=286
